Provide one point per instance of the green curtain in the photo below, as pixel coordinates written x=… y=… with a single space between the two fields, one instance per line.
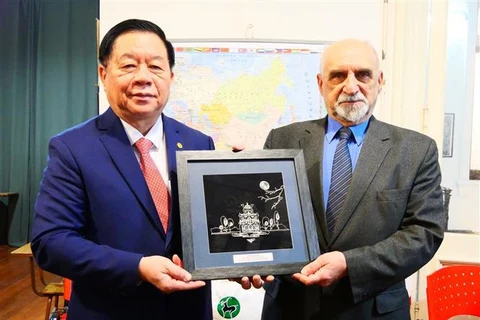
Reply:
x=47 y=83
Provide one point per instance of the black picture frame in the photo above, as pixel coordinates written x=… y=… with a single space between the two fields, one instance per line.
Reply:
x=245 y=213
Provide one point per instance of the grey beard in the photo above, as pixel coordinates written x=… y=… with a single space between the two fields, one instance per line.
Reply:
x=353 y=113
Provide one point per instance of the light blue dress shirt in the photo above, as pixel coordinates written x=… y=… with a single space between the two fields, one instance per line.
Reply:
x=330 y=144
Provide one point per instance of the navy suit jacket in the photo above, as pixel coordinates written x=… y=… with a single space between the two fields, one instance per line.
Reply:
x=95 y=219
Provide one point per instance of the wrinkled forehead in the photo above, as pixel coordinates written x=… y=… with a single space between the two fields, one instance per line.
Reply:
x=350 y=56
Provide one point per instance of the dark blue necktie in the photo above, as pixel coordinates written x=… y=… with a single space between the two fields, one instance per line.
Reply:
x=341 y=176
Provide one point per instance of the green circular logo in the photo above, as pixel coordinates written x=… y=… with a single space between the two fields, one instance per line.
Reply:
x=228 y=307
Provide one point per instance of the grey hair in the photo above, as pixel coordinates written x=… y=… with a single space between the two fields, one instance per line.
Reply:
x=368 y=43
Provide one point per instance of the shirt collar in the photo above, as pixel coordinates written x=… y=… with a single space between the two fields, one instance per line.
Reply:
x=358 y=131
x=155 y=134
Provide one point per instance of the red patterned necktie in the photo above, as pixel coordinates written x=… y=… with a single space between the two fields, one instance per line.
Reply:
x=156 y=185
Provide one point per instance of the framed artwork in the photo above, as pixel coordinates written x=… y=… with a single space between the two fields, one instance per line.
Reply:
x=448 y=128
x=245 y=213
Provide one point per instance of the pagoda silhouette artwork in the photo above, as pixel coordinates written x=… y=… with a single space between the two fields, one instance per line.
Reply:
x=246 y=212
x=249 y=225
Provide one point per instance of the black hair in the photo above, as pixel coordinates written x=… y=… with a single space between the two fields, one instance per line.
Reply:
x=106 y=46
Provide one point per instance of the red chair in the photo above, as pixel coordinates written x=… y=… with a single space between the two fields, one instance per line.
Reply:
x=453 y=291
x=67 y=292
x=67 y=289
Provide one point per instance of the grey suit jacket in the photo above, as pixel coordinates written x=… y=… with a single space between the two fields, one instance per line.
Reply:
x=391 y=225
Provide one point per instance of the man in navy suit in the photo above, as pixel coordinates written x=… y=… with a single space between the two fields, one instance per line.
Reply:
x=96 y=220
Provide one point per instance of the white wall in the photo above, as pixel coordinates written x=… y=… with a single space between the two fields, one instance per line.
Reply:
x=303 y=20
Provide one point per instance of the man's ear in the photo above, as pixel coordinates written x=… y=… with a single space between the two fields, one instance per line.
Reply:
x=381 y=81
x=320 y=83
x=102 y=73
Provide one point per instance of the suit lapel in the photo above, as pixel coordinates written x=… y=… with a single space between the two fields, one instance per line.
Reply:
x=312 y=145
x=173 y=143
x=375 y=147
x=118 y=146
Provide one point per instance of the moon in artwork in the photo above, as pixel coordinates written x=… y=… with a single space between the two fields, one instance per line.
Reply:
x=264 y=185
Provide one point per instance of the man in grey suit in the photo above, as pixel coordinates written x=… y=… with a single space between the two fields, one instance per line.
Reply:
x=392 y=220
